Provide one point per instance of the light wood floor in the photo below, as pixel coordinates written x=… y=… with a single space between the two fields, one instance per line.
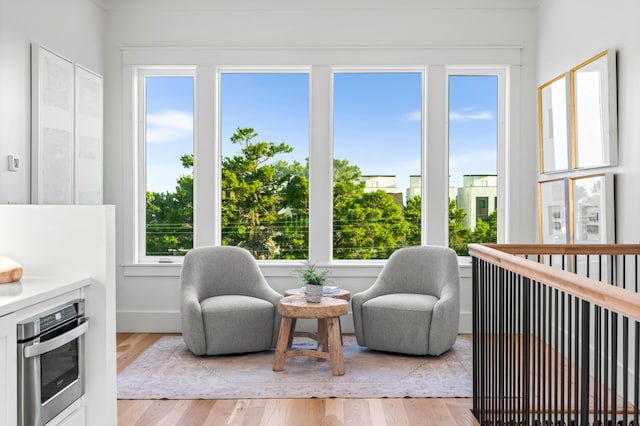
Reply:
x=283 y=412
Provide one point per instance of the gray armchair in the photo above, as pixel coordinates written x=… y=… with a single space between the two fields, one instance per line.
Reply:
x=414 y=305
x=226 y=304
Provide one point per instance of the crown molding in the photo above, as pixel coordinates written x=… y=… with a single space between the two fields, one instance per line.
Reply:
x=123 y=5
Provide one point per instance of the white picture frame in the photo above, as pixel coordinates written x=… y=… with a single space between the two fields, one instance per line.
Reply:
x=552 y=212
x=592 y=209
x=88 y=180
x=52 y=142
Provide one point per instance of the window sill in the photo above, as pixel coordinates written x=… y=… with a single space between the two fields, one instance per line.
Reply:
x=341 y=269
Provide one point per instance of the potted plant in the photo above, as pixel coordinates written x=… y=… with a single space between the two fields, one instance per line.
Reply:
x=314 y=281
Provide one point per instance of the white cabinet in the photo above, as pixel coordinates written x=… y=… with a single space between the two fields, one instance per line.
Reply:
x=72 y=416
x=8 y=378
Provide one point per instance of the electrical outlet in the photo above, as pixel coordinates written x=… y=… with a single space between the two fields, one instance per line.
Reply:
x=14 y=163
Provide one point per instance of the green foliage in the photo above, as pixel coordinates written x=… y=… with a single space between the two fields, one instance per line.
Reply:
x=368 y=225
x=170 y=218
x=458 y=234
x=252 y=195
x=413 y=215
x=311 y=275
x=486 y=231
x=265 y=209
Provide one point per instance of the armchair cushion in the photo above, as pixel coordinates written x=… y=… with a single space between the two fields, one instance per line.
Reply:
x=383 y=314
x=226 y=319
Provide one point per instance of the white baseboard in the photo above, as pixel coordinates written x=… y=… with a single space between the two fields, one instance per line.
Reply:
x=466 y=323
x=148 y=322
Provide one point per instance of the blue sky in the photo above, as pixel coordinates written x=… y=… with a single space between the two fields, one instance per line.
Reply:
x=376 y=121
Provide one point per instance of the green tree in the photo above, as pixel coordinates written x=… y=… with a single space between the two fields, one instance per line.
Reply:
x=293 y=235
x=413 y=216
x=265 y=208
x=252 y=195
x=170 y=217
x=366 y=225
x=486 y=231
x=458 y=234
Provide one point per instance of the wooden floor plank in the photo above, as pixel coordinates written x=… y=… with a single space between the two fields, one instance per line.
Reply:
x=394 y=412
x=128 y=350
x=356 y=411
x=173 y=417
x=381 y=412
x=333 y=412
x=276 y=412
x=130 y=411
x=220 y=413
x=196 y=413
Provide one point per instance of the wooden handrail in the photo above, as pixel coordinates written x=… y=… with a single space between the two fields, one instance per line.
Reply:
x=567 y=249
x=607 y=296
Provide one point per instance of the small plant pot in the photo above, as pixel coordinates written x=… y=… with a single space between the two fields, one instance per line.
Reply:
x=313 y=293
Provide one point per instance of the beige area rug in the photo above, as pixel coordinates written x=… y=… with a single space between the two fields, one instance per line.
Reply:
x=167 y=370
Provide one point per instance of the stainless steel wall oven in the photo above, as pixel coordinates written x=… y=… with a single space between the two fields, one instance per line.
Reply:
x=51 y=362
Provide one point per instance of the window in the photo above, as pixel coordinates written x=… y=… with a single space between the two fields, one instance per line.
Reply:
x=377 y=121
x=322 y=162
x=473 y=159
x=265 y=140
x=167 y=111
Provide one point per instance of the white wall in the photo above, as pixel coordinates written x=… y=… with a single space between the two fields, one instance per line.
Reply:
x=72 y=28
x=572 y=31
x=147 y=298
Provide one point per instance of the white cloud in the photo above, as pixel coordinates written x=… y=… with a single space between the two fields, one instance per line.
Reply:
x=469 y=114
x=413 y=115
x=169 y=126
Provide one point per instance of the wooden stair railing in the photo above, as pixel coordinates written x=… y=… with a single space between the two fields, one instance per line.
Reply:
x=554 y=347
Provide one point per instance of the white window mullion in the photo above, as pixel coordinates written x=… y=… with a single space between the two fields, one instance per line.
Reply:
x=435 y=177
x=206 y=170
x=320 y=166
x=509 y=107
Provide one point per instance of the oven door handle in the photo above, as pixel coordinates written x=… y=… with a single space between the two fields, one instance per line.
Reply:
x=56 y=342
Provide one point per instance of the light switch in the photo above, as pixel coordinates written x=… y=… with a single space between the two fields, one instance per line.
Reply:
x=14 y=163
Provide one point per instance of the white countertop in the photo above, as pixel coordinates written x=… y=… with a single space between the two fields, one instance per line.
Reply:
x=34 y=289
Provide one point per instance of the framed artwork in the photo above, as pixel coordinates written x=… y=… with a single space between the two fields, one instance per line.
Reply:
x=88 y=137
x=52 y=127
x=592 y=209
x=594 y=112
x=552 y=211
x=553 y=125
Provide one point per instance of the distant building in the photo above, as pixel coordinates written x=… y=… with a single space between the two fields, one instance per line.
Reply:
x=478 y=197
x=415 y=188
x=386 y=183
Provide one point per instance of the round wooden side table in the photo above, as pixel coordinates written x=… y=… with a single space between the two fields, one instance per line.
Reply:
x=327 y=313
x=341 y=294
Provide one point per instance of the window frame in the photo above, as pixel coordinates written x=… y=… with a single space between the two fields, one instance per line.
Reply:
x=424 y=73
x=215 y=202
x=141 y=74
x=206 y=62
x=503 y=74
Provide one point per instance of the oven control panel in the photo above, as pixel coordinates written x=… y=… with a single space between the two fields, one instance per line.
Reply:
x=48 y=320
x=53 y=319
